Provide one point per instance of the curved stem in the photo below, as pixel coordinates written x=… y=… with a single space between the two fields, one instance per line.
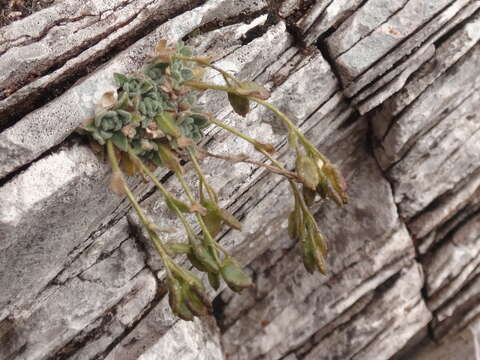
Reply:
x=201 y=175
x=290 y=125
x=166 y=194
x=141 y=215
x=205 y=62
x=203 y=226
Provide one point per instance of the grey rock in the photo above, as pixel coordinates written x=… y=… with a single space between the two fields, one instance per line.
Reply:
x=449 y=267
x=393 y=82
x=63 y=311
x=446 y=55
x=36 y=210
x=440 y=25
x=361 y=23
x=379 y=42
x=461 y=345
x=451 y=160
x=89 y=285
x=398 y=311
x=197 y=340
x=324 y=15
x=448 y=207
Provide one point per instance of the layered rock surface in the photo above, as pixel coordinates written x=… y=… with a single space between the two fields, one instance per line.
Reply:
x=387 y=89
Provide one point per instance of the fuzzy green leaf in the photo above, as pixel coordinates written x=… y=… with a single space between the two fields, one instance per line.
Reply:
x=120 y=141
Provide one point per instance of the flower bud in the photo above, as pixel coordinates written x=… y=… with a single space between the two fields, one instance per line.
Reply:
x=240 y=104
x=214 y=280
x=176 y=300
x=234 y=276
x=307 y=170
x=205 y=257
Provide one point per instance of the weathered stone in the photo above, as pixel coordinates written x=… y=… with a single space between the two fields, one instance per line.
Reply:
x=63 y=31
x=324 y=15
x=391 y=318
x=452 y=263
x=450 y=17
x=65 y=310
x=361 y=23
x=431 y=168
x=197 y=340
x=460 y=311
x=36 y=209
x=222 y=42
x=461 y=345
x=447 y=54
x=392 y=82
x=97 y=296
x=447 y=206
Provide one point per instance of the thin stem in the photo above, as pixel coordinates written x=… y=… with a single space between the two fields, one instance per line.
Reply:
x=167 y=194
x=235 y=132
x=290 y=125
x=265 y=153
x=141 y=215
x=271 y=168
x=201 y=175
x=205 y=231
x=206 y=62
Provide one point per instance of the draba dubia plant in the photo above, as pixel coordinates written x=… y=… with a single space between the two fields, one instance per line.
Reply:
x=153 y=120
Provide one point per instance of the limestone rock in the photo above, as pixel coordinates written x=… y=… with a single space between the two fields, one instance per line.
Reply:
x=387 y=90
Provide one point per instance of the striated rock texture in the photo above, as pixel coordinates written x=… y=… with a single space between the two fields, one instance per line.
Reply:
x=389 y=90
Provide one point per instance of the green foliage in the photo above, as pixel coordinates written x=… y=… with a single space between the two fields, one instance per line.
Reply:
x=153 y=120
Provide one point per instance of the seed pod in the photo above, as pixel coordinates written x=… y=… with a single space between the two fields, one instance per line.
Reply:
x=251 y=88
x=234 y=276
x=230 y=220
x=212 y=219
x=322 y=188
x=308 y=256
x=194 y=302
x=205 y=258
x=318 y=247
x=178 y=248
x=199 y=291
x=176 y=300
x=195 y=263
x=320 y=261
x=338 y=182
x=265 y=147
x=240 y=104
x=308 y=195
x=307 y=170
x=320 y=241
x=292 y=225
x=214 y=280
